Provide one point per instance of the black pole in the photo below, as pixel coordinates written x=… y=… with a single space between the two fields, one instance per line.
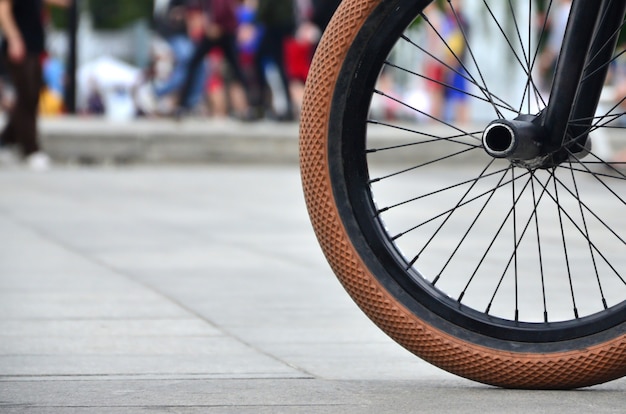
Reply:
x=72 y=28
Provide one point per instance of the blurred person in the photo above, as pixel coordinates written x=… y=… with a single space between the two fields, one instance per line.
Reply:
x=612 y=100
x=455 y=29
x=219 y=31
x=278 y=21
x=434 y=69
x=616 y=158
x=222 y=92
x=323 y=11
x=95 y=100
x=6 y=90
x=172 y=26
x=299 y=52
x=23 y=47
x=557 y=23
x=313 y=17
x=382 y=107
x=50 y=102
x=218 y=87
x=248 y=37
x=51 y=97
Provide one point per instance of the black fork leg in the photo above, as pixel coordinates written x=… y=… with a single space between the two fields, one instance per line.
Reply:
x=584 y=22
x=598 y=64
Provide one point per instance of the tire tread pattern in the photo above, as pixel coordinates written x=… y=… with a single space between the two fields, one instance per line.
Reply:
x=565 y=370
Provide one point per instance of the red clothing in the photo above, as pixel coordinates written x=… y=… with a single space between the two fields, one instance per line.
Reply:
x=297 y=59
x=221 y=12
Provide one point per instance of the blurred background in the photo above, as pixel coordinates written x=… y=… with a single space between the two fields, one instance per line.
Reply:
x=126 y=59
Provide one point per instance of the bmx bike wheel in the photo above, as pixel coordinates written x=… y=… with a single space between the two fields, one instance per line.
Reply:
x=501 y=273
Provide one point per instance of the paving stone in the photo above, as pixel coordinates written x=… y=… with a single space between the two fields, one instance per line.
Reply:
x=201 y=289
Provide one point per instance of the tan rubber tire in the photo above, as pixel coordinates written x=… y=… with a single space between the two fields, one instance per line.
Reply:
x=557 y=370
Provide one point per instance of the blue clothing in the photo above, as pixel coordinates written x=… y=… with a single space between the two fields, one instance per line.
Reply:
x=183 y=48
x=457 y=79
x=53 y=73
x=459 y=85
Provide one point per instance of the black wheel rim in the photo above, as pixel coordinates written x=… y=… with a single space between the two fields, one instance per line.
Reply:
x=589 y=233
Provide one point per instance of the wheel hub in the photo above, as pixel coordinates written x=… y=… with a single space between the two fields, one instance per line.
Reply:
x=522 y=141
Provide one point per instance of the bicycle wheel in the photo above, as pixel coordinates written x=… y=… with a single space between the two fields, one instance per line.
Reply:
x=501 y=272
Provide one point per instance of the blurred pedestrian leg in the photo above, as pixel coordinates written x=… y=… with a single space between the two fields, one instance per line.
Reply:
x=182 y=48
x=278 y=20
x=23 y=46
x=220 y=27
x=21 y=128
x=172 y=26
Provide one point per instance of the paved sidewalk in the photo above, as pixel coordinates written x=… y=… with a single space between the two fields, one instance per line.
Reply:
x=201 y=289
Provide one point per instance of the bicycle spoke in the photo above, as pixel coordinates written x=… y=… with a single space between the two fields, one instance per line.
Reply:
x=587 y=236
x=406 y=105
x=603 y=184
x=530 y=82
x=482 y=174
x=538 y=98
x=604 y=65
x=595 y=248
x=471 y=200
x=540 y=255
x=491 y=98
x=582 y=204
x=606 y=119
x=610 y=166
x=564 y=241
x=497 y=227
x=455 y=195
x=506 y=37
x=441 y=190
x=517 y=242
x=609 y=41
x=434 y=138
x=528 y=63
x=524 y=65
x=515 y=245
x=594 y=214
x=445 y=157
x=471 y=53
x=517 y=30
x=467 y=232
x=589 y=172
x=450 y=87
x=491 y=244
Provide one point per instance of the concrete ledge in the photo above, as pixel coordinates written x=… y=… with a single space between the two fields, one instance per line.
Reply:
x=167 y=141
x=99 y=140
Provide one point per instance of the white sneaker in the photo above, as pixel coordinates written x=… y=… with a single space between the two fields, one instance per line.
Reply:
x=38 y=161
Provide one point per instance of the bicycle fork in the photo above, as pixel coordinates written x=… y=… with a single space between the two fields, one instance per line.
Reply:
x=547 y=139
